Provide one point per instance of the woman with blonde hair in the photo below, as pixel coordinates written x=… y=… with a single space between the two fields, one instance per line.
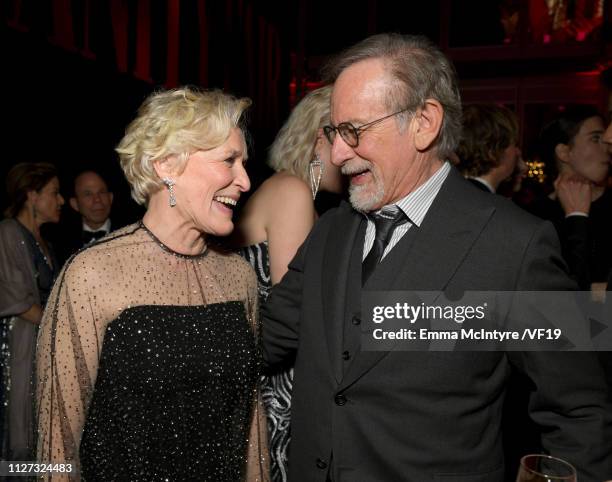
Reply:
x=148 y=360
x=273 y=225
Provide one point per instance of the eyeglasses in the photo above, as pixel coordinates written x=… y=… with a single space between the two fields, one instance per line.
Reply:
x=350 y=133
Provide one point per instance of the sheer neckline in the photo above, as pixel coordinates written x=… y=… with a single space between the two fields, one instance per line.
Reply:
x=170 y=250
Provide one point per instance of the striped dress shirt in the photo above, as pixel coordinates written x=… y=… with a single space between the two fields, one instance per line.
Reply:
x=415 y=206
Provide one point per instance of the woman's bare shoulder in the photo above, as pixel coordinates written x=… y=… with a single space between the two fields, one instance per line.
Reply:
x=282 y=191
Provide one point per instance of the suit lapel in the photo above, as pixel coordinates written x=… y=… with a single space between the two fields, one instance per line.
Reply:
x=453 y=224
x=427 y=263
x=349 y=225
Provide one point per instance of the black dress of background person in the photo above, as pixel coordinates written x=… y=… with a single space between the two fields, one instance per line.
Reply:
x=148 y=361
x=28 y=268
x=571 y=147
x=581 y=205
x=397 y=415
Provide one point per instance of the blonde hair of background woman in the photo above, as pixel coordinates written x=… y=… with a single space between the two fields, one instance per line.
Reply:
x=293 y=148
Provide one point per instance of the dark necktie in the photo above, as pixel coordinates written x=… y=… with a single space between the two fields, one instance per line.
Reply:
x=89 y=236
x=385 y=222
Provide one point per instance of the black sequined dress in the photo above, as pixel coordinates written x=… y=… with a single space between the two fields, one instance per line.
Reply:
x=149 y=365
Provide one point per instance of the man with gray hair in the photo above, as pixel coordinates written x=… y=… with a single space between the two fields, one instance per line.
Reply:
x=415 y=224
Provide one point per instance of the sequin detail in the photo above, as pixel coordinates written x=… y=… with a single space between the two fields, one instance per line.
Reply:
x=148 y=365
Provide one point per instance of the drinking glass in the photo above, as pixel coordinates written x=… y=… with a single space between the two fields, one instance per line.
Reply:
x=544 y=468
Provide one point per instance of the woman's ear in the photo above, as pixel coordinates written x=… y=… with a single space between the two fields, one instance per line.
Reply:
x=562 y=153
x=32 y=196
x=164 y=167
x=428 y=121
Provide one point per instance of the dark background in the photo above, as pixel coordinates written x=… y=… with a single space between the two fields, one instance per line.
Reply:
x=74 y=72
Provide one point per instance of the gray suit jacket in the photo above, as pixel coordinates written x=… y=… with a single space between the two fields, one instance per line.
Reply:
x=393 y=415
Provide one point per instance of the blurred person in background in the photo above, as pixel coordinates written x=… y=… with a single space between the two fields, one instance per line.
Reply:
x=273 y=225
x=580 y=206
x=92 y=201
x=28 y=267
x=488 y=152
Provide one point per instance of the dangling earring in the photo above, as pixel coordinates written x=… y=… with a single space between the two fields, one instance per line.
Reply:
x=170 y=183
x=315 y=183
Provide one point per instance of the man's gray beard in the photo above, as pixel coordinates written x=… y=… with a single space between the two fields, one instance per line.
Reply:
x=361 y=201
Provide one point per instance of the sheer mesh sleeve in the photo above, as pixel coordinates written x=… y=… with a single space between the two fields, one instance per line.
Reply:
x=258 y=463
x=132 y=326
x=67 y=362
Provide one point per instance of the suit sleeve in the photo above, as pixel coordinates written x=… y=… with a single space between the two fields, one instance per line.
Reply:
x=281 y=313
x=570 y=402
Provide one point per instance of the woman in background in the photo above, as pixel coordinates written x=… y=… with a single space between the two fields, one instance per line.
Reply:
x=27 y=269
x=275 y=222
x=148 y=364
x=580 y=207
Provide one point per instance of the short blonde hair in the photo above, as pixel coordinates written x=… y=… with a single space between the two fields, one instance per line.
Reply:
x=175 y=122
x=293 y=148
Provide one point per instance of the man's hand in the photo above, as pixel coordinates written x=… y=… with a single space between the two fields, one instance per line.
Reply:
x=574 y=193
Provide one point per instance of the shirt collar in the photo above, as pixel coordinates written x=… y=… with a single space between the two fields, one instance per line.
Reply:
x=416 y=204
x=485 y=182
x=105 y=227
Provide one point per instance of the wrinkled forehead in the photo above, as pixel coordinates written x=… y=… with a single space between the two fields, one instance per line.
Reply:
x=360 y=91
x=235 y=145
x=89 y=180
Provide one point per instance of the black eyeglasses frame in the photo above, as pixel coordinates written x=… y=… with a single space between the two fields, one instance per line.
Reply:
x=350 y=130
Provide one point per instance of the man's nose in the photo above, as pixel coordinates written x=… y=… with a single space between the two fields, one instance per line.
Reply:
x=340 y=151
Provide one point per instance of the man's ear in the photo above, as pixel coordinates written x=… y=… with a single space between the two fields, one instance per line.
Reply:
x=110 y=194
x=428 y=122
x=74 y=204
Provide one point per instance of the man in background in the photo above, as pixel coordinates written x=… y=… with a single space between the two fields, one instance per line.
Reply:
x=92 y=200
x=488 y=151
